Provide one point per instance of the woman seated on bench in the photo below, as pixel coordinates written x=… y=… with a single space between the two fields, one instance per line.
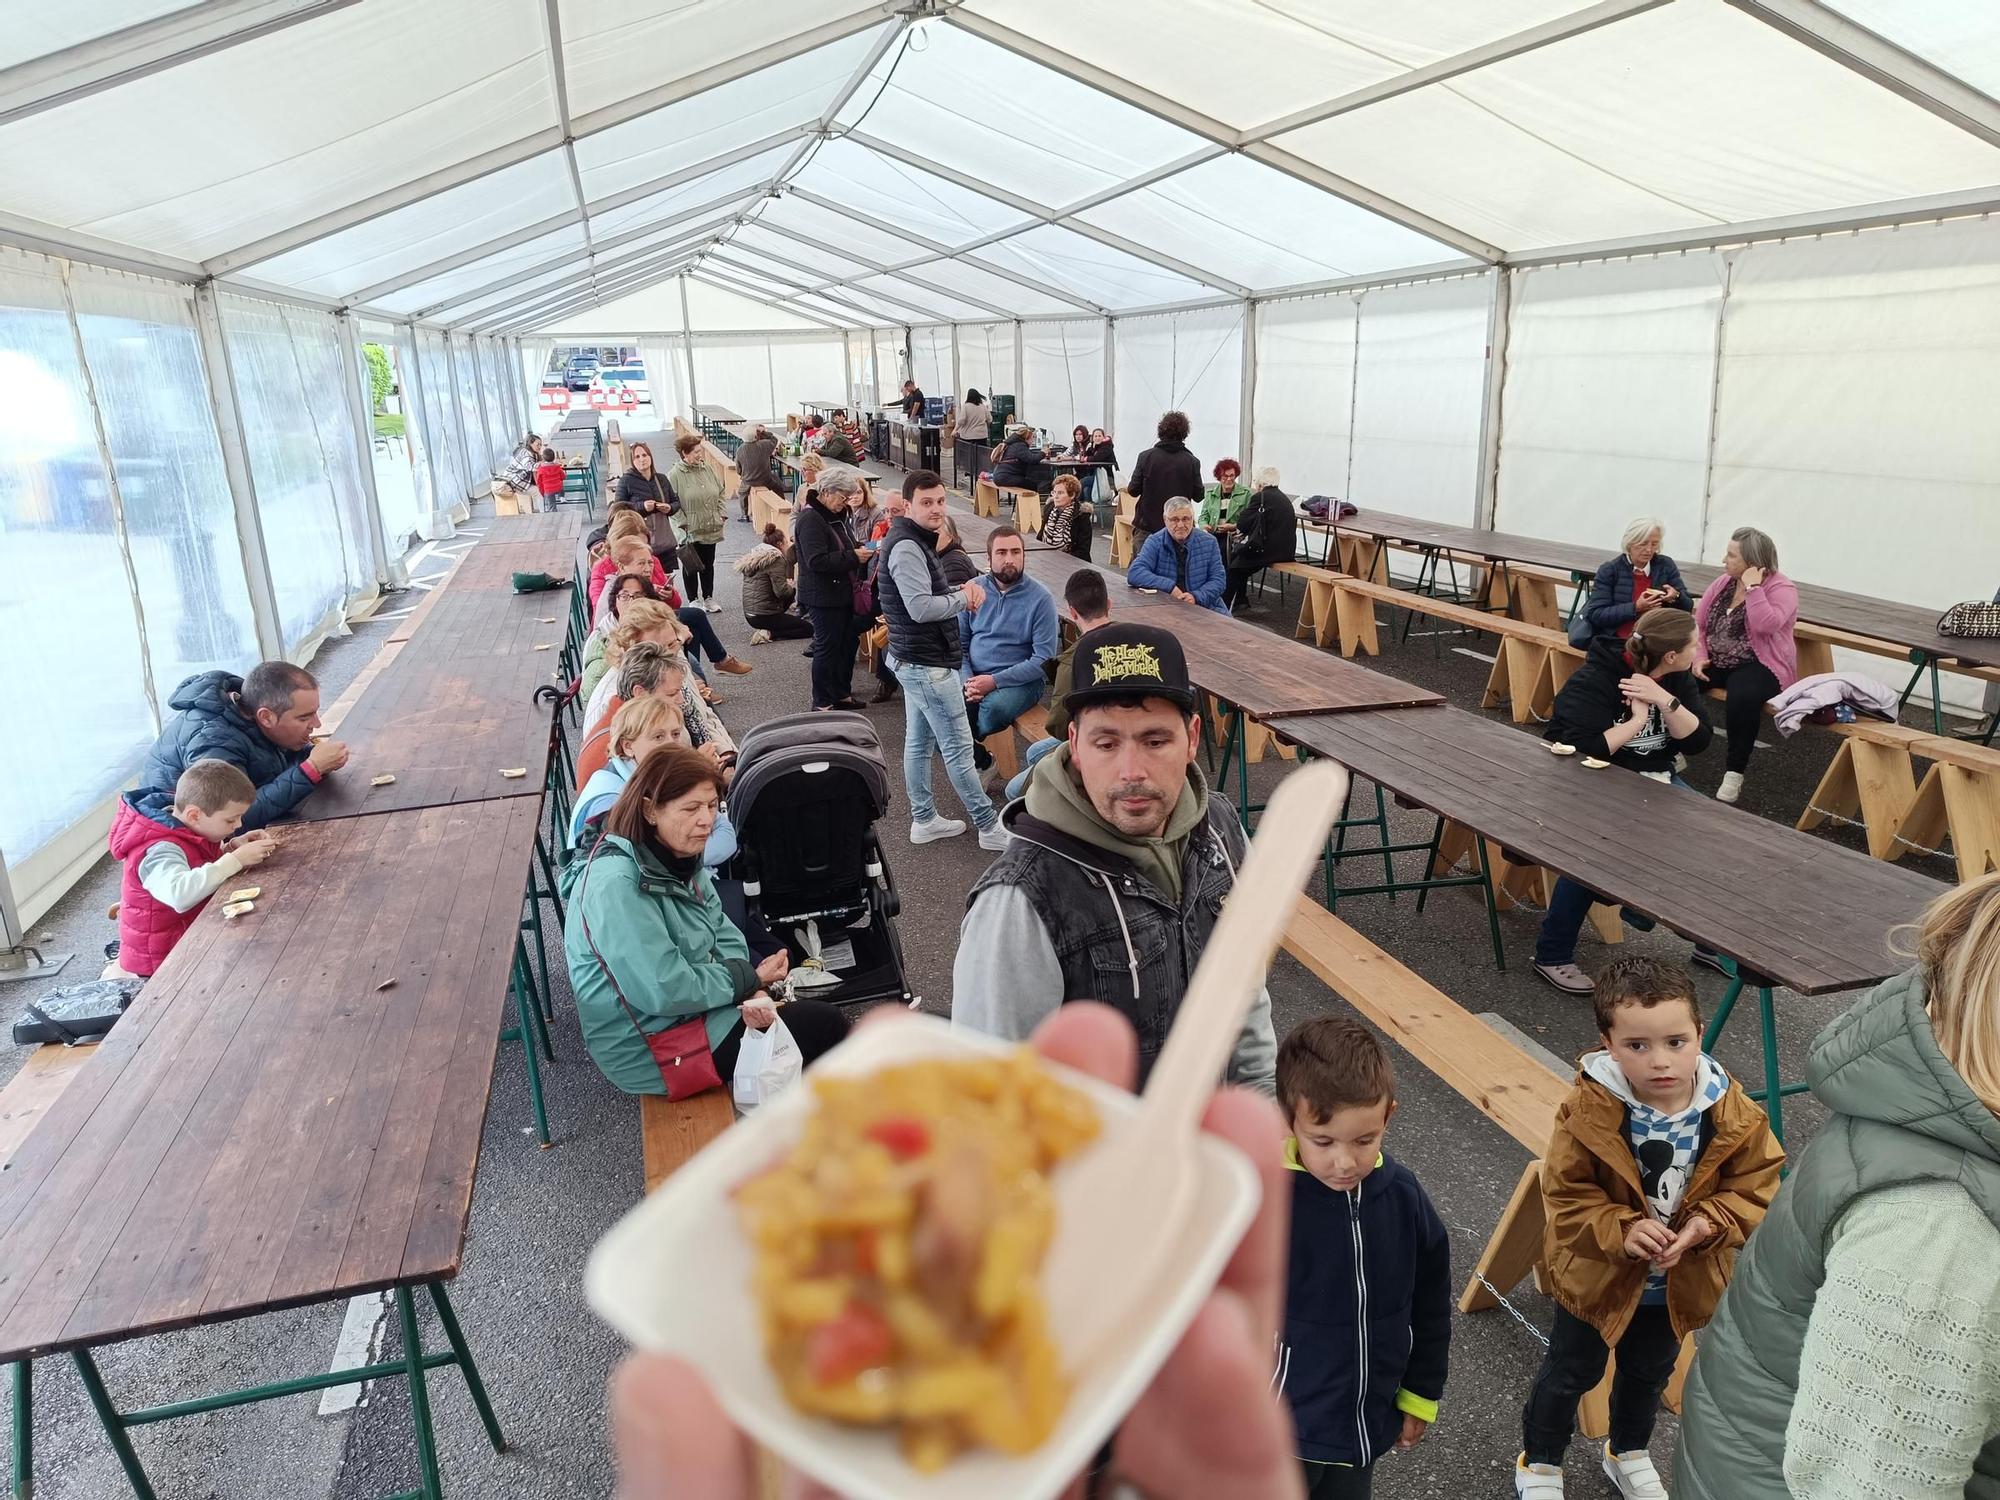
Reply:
x=1636 y=704
x=1022 y=465
x=651 y=950
x=1639 y=578
x=1745 y=645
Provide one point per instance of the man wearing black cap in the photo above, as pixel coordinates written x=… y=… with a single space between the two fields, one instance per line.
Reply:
x=1118 y=866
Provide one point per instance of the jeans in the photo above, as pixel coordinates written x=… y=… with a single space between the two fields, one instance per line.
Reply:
x=1337 y=1481
x=835 y=641
x=784 y=626
x=934 y=707
x=1018 y=787
x=698 y=569
x=1002 y=707
x=1746 y=688
x=705 y=638
x=1573 y=1366
x=1569 y=905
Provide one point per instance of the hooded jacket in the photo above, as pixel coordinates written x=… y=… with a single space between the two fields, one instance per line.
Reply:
x=1592 y=1195
x=699 y=489
x=767 y=581
x=1853 y=1354
x=1163 y=471
x=148 y=928
x=1073 y=910
x=211 y=725
x=1160 y=562
x=1369 y=1272
x=668 y=945
x=1022 y=464
x=1590 y=703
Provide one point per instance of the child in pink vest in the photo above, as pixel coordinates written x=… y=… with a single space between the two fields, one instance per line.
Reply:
x=177 y=851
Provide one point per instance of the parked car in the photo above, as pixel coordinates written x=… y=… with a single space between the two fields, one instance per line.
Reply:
x=581 y=370
x=631 y=377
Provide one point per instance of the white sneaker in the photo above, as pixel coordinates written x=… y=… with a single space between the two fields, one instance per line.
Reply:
x=994 y=838
x=760 y=637
x=1634 y=1474
x=937 y=828
x=1731 y=788
x=711 y=606
x=1537 y=1481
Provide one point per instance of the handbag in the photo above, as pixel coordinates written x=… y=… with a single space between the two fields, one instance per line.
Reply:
x=75 y=1013
x=1976 y=619
x=1580 y=633
x=864 y=597
x=681 y=1052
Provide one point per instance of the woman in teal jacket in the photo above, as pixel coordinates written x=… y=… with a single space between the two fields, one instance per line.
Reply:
x=644 y=924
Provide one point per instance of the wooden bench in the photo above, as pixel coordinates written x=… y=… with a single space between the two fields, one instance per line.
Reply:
x=1121 y=530
x=985 y=497
x=1509 y=1087
x=670 y=1133
x=1033 y=724
x=1529 y=669
x=1027 y=508
x=769 y=508
x=1872 y=780
x=1317 y=621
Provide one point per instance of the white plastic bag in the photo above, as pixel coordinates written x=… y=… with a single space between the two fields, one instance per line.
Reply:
x=767 y=1063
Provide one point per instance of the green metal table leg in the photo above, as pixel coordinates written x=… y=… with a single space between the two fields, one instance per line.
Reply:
x=1430 y=861
x=1937 y=698
x=24 y=1430
x=420 y=1396
x=1240 y=731
x=541 y=1031
x=531 y=921
x=525 y=1009
x=1774 y=1093
x=462 y=1353
x=1492 y=909
x=114 y=1425
x=1381 y=821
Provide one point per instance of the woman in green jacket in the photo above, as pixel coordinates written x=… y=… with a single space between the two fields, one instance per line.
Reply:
x=699 y=489
x=1222 y=502
x=648 y=942
x=1856 y=1352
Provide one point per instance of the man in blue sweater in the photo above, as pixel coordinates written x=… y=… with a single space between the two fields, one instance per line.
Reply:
x=1009 y=643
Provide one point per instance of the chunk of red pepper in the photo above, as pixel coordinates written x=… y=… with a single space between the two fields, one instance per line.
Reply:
x=857 y=1339
x=902 y=1136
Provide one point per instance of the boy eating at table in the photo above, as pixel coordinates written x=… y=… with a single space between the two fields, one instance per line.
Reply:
x=177 y=850
x=1370 y=1266
x=1657 y=1170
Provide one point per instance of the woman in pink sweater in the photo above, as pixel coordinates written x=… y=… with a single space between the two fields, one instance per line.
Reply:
x=1745 y=644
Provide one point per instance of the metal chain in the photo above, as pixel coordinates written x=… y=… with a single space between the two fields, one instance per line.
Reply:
x=1907 y=843
x=1512 y=1311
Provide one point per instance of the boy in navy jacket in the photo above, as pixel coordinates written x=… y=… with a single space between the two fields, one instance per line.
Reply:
x=1370 y=1265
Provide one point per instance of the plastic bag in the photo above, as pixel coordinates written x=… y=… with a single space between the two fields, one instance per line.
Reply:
x=767 y=1063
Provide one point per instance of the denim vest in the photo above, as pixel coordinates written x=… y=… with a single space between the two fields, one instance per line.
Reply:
x=1117 y=936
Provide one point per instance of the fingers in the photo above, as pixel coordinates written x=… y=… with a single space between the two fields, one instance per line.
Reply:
x=672 y=1436
x=1256 y=1272
x=1091 y=1038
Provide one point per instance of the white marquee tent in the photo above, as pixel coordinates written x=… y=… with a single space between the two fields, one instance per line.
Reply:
x=1527 y=262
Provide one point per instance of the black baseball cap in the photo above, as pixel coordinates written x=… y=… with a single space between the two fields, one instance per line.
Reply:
x=1124 y=660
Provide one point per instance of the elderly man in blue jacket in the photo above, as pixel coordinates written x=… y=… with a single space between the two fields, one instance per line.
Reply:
x=1009 y=643
x=1182 y=560
x=261 y=724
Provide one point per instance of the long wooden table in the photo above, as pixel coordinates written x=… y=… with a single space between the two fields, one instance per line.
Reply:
x=289 y=1113
x=1785 y=908
x=1907 y=627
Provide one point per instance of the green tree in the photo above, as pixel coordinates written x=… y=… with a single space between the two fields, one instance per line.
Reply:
x=381 y=378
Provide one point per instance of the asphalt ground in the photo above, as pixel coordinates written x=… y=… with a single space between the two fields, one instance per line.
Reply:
x=536 y=1213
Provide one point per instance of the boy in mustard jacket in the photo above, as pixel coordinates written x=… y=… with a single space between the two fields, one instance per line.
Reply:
x=1657 y=1171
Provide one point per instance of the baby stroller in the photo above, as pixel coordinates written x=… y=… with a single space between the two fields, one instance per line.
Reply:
x=807 y=792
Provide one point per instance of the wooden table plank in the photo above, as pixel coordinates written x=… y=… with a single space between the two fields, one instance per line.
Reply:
x=179 y=1178
x=1909 y=625
x=1812 y=915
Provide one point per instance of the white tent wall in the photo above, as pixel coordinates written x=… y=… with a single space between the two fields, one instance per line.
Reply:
x=930 y=359
x=890 y=362
x=1305 y=392
x=1855 y=414
x=985 y=362
x=1190 y=362
x=665 y=375
x=1062 y=379
x=808 y=367
x=1418 y=394
x=444 y=447
x=1610 y=388
x=402 y=478
x=472 y=416
x=861 y=368
x=309 y=502
x=765 y=375
x=500 y=419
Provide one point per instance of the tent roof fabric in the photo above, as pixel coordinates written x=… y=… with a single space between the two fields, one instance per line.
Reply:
x=480 y=163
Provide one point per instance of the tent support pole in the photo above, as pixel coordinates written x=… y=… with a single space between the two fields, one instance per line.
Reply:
x=1246 y=412
x=1111 y=377
x=228 y=413
x=1714 y=402
x=1499 y=317
x=687 y=343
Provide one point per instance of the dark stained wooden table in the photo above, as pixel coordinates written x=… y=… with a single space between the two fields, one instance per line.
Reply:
x=563 y=521
x=1811 y=915
x=268 y=1125
x=1911 y=626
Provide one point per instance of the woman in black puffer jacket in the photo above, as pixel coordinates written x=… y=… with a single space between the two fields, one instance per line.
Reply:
x=829 y=562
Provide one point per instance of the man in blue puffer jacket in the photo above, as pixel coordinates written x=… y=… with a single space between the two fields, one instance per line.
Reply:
x=1182 y=561
x=1368 y=1291
x=261 y=724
